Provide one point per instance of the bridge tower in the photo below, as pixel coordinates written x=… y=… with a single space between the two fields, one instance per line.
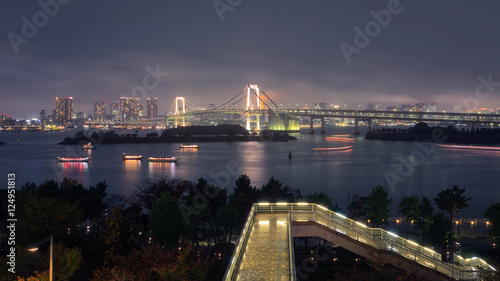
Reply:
x=180 y=108
x=253 y=103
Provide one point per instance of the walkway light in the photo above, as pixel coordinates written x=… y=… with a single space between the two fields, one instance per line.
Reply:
x=361 y=224
x=340 y=215
x=411 y=242
x=34 y=247
x=427 y=249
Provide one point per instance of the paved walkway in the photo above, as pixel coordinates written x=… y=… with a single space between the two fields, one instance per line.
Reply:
x=267 y=256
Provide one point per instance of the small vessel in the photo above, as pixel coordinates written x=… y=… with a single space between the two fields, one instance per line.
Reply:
x=131 y=157
x=189 y=146
x=290 y=154
x=88 y=146
x=163 y=159
x=469 y=147
x=73 y=159
x=333 y=148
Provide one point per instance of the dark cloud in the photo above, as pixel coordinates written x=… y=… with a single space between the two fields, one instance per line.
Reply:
x=98 y=50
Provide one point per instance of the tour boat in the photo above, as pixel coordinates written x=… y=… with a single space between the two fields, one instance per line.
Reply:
x=73 y=159
x=333 y=148
x=469 y=147
x=88 y=146
x=163 y=159
x=131 y=157
x=190 y=146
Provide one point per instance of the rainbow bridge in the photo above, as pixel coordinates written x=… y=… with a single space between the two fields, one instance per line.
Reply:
x=265 y=250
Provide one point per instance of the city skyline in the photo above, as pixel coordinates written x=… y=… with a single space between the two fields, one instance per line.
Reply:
x=296 y=52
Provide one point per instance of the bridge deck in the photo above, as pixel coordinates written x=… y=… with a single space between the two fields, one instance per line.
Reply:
x=265 y=249
x=267 y=256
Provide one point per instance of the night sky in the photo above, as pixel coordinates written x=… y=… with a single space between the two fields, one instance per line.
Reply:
x=99 y=50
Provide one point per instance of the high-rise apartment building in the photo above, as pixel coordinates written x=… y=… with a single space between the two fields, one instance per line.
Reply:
x=99 y=110
x=320 y=106
x=64 y=111
x=129 y=108
x=152 y=108
x=114 y=110
x=43 y=118
x=141 y=111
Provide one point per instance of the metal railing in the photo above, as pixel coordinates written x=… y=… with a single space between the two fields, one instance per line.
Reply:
x=291 y=247
x=377 y=238
x=237 y=256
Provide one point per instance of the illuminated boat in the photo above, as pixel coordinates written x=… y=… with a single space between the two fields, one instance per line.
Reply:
x=189 y=146
x=73 y=159
x=131 y=157
x=88 y=146
x=469 y=147
x=333 y=148
x=163 y=159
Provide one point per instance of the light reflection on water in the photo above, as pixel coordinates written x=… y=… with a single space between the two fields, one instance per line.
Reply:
x=161 y=169
x=132 y=170
x=338 y=173
x=74 y=170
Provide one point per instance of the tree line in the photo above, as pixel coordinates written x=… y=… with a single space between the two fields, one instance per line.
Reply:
x=176 y=229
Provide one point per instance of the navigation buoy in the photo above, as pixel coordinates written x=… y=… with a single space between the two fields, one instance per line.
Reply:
x=290 y=154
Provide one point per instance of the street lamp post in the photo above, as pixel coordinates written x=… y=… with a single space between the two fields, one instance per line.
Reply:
x=33 y=247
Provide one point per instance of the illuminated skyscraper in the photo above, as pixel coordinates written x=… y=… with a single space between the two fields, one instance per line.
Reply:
x=320 y=106
x=152 y=108
x=129 y=108
x=99 y=110
x=43 y=118
x=64 y=111
x=114 y=110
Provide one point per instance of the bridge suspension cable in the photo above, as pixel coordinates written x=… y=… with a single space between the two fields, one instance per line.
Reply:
x=242 y=98
x=269 y=99
x=253 y=91
x=231 y=102
x=194 y=106
x=228 y=101
x=172 y=107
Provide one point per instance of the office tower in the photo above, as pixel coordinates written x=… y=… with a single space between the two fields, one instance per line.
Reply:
x=43 y=118
x=141 y=111
x=152 y=108
x=99 y=110
x=129 y=108
x=64 y=111
x=320 y=106
x=114 y=110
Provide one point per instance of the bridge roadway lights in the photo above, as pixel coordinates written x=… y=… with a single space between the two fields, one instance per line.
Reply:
x=355 y=133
